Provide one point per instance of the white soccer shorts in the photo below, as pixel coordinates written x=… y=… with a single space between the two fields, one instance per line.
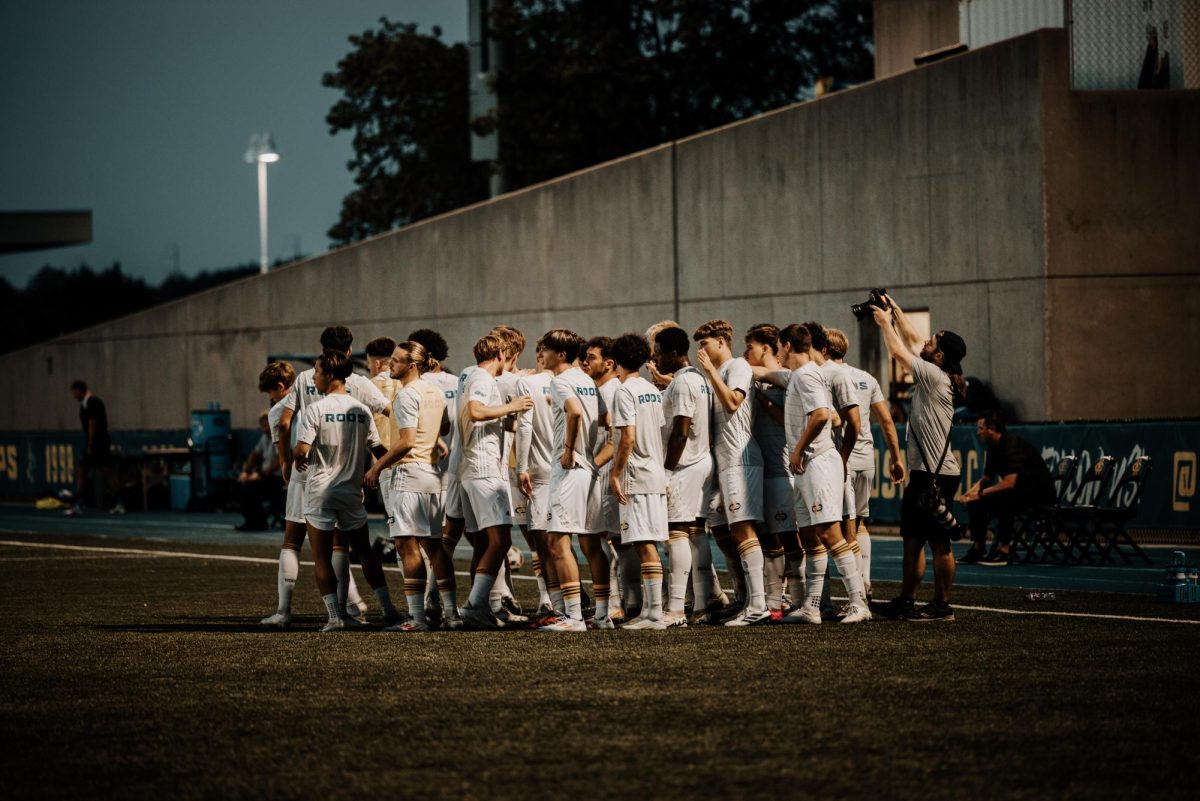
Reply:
x=820 y=491
x=415 y=514
x=569 y=500
x=452 y=504
x=485 y=503
x=687 y=493
x=644 y=518
x=849 y=505
x=740 y=498
x=294 y=510
x=863 y=481
x=603 y=517
x=347 y=517
x=385 y=493
x=778 y=504
x=520 y=504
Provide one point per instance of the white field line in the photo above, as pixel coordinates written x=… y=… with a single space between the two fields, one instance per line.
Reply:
x=266 y=561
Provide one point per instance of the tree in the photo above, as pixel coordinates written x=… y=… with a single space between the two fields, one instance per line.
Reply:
x=583 y=81
x=405 y=98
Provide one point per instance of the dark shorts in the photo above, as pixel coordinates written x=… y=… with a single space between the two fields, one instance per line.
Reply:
x=915 y=522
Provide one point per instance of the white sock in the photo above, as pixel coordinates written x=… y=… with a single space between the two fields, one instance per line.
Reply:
x=331 y=606
x=341 y=570
x=543 y=593
x=449 y=605
x=616 y=586
x=289 y=570
x=652 y=591
x=752 y=565
x=414 y=596
x=864 y=545
x=480 y=590
x=352 y=595
x=556 y=600
x=816 y=561
x=702 y=572
x=496 y=593
x=773 y=581
x=843 y=557
x=385 y=601
x=796 y=584
x=679 y=561
x=431 y=589
x=826 y=591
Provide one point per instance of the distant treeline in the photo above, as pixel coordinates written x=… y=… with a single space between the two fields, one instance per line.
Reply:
x=58 y=301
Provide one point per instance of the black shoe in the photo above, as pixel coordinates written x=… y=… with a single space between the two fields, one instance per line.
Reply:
x=895 y=609
x=995 y=559
x=511 y=606
x=971 y=557
x=932 y=611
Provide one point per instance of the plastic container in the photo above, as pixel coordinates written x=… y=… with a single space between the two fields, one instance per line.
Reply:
x=181 y=492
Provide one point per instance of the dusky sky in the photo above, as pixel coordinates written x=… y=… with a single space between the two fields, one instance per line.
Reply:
x=141 y=111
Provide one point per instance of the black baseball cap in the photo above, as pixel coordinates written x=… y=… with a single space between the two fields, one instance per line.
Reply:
x=954 y=349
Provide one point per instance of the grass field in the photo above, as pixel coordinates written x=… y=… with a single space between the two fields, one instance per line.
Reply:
x=141 y=676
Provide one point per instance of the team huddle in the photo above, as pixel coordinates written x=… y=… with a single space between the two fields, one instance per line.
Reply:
x=768 y=454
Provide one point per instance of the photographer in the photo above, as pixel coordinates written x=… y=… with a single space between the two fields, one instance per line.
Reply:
x=933 y=469
x=1014 y=479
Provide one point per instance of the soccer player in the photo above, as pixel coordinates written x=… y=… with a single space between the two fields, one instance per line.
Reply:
x=847 y=425
x=335 y=433
x=778 y=532
x=486 y=505
x=687 y=458
x=603 y=517
x=452 y=529
x=534 y=444
x=576 y=409
x=638 y=479
x=416 y=493
x=304 y=391
x=276 y=380
x=820 y=483
x=861 y=464
x=738 y=506
x=501 y=600
x=379 y=360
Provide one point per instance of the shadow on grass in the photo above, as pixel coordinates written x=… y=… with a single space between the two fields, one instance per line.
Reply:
x=216 y=625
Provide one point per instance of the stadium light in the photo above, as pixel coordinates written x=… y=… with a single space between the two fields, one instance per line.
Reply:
x=262 y=152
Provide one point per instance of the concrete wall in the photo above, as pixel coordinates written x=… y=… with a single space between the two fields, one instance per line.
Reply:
x=975 y=187
x=906 y=28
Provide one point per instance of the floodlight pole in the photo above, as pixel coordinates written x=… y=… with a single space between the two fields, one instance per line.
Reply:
x=263 y=266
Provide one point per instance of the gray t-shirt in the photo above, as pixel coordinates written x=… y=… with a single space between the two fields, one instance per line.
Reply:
x=806 y=393
x=340 y=431
x=842 y=392
x=638 y=403
x=930 y=419
x=868 y=393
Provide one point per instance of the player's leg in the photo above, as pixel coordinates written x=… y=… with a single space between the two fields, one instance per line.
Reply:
x=321 y=543
x=408 y=551
x=592 y=546
x=679 y=562
x=562 y=556
x=773 y=566
x=651 y=616
x=288 y=573
x=358 y=536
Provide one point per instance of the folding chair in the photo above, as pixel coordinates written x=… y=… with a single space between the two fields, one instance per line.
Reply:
x=1079 y=521
x=1112 y=519
x=1039 y=526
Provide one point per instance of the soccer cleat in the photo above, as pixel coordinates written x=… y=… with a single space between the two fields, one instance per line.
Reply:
x=856 y=613
x=776 y=615
x=932 y=612
x=750 y=617
x=334 y=625
x=452 y=623
x=995 y=559
x=409 y=625
x=602 y=623
x=478 y=619
x=354 y=624
x=508 y=620
x=74 y=511
x=280 y=620
x=802 y=614
x=645 y=623
x=565 y=624
x=512 y=607
x=118 y=509
x=674 y=620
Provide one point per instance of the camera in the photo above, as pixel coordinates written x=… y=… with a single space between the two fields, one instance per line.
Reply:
x=931 y=501
x=875 y=300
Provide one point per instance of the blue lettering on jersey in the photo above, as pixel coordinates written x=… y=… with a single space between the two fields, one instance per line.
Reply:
x=310 y=390
x=650 y=398
x=346 y=417
x=586 y=391
x=862 y=384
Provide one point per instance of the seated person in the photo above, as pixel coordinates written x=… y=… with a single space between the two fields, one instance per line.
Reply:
x=258 y=480
x=1015 y=479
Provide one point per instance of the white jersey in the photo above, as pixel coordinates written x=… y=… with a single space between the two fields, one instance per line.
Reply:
x=339 y=431
x=535 y=428
x=806 y=393
x=733 y=432
x=509 y=390
x=274 y=415
x=456 y=450
x=639 y=404
x=574 y=383
x=770 y=436
x=866 y=393
x=448 y=384
x=304 y=392
x=481 y=456
x=842 y=393
x=689 y=395
x=606 y=394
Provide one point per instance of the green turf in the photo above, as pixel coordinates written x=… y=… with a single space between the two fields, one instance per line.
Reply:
x=148 y=678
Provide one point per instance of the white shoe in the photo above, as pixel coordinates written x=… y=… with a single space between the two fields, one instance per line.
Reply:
x=750 y=617
x=507 y=620
x=334 y=625
x=409 y=625
x=118 y=509
x=603 y=623
x=645 y=624
x=357 y=609
x=802 y=614
x=672 y=620
x=565 y=624
x=74 y=511
x=857 y=613
x=280 y=620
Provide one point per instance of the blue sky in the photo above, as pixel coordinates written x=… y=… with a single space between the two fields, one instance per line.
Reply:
x=141 y=111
